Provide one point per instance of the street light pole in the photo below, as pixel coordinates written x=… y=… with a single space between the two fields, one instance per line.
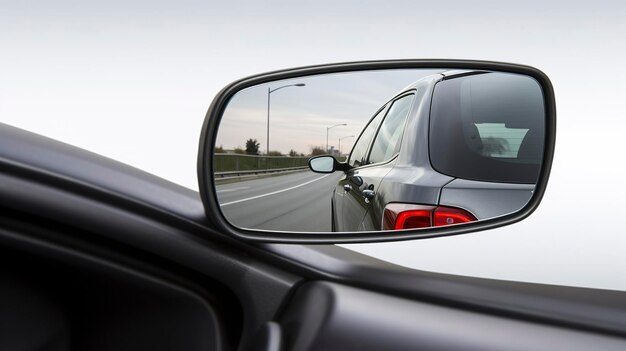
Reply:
x=339 y=147
x=269 y=91
x=329 y=128
x=267 y=140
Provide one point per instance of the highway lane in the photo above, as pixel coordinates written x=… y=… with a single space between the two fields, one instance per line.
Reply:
x=293 y=202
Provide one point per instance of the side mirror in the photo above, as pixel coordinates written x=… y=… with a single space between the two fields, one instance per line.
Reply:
x=428 y=148
x=322 y=164
x=327 y=164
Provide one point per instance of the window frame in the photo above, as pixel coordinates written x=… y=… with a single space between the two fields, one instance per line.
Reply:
x=389 y=106
x=384 y=109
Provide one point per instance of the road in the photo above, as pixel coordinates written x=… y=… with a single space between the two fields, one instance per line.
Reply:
x=292 y=202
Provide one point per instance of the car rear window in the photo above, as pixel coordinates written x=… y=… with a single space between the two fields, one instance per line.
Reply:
x=488 y=127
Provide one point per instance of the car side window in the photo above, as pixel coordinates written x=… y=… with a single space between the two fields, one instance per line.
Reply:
x=488 y=127
x=359 y=151
x=387 y=142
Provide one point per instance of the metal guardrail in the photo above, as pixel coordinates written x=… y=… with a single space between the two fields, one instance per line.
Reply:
x=233 y=174
x=240 y=162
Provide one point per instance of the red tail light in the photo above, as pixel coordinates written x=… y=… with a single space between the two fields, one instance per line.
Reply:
x=407 y=216
x=413 y=219
x=451 y=215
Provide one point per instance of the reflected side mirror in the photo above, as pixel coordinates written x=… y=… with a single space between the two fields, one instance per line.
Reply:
x=327 y=164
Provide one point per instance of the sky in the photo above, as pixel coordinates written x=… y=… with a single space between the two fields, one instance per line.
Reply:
x=300 y=116
x=132 y=80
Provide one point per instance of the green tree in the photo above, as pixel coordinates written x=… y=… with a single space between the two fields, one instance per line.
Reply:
x=293 y=153
x=274 y=153
x=252 y=147
x=317 y=150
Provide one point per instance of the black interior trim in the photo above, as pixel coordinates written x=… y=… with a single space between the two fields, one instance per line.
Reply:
x=65 y=244
x=168 y=226
x=76 y=300
x=592 y=310
x=328 y=316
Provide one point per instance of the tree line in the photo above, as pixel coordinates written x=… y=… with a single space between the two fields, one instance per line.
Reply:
x=253 y=145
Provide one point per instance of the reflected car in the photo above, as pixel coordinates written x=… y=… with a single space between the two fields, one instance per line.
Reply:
x=451 y=148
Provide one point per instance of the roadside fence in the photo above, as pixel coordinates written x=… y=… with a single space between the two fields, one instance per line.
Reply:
x=235 y=165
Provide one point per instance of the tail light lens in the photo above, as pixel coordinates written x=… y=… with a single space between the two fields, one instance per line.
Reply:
x=409 y=216
x=451 y=215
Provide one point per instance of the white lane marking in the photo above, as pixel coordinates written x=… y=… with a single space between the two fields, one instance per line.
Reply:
x=273 y=192
x=233 y=189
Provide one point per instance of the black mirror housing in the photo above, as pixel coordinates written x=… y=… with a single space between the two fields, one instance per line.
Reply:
x=327 y=164
x=480 y=130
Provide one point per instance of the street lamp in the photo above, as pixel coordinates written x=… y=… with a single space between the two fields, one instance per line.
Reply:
x=339 y=147
x=269 y=91
x=329 y=128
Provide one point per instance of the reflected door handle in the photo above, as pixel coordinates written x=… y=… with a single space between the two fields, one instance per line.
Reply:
x=347 y=188
x=368 y=194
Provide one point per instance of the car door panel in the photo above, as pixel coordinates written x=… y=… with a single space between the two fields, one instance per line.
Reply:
x=356 y=204
x=372 y=218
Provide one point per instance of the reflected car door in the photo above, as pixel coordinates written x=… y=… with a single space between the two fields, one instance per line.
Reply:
x=358 y=156
x=361 y=183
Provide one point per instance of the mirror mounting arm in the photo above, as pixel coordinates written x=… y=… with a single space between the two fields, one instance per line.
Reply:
x=342 y=166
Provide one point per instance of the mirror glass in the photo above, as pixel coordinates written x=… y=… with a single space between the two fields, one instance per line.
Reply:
x=322 y=164
x=412 y=148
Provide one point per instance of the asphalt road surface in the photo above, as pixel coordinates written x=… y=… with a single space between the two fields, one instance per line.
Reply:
x=292 y=202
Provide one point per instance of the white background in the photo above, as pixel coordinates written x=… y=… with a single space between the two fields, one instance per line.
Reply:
x=132 y=80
